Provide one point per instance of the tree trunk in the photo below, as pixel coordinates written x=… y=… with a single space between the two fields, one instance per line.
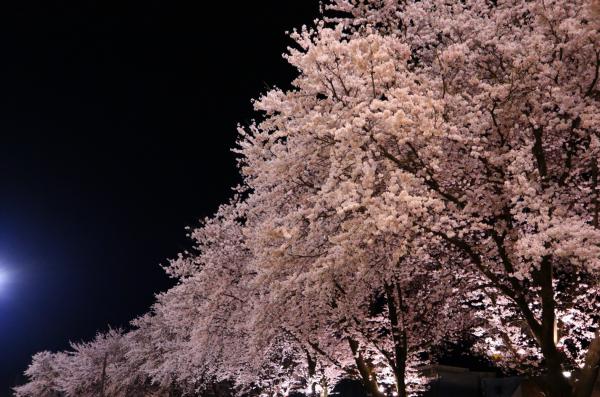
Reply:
x=399 y=339
x=557 y=384
x=596 y=192
x=365 y=369
x=103 y=377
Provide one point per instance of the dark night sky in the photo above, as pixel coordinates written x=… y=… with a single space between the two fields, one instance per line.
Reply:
x=116 y=123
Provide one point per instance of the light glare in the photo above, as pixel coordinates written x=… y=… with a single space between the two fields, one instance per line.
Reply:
x=3 y=277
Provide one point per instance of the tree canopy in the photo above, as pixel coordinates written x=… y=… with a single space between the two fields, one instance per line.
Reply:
x=432 y=173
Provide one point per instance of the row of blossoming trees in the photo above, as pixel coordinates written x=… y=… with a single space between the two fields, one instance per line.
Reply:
x=432 y=174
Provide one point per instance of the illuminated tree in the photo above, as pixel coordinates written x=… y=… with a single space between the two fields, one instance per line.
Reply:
x=96 y=368
x=224 y=300
x=43 y=373
x=327 y=235
x=468 y=129
x=433 y=169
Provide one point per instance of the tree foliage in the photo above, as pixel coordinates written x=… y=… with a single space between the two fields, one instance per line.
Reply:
x=432 y=172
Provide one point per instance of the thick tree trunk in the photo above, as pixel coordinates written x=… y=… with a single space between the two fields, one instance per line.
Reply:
x=399 y=339
x=365 y=369
x=401 y=385
x=557 y=384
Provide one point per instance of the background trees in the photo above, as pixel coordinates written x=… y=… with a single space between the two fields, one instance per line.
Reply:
x=433 y=170
x=43 y=374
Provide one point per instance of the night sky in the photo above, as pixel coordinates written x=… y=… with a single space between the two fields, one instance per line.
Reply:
x=116 y=124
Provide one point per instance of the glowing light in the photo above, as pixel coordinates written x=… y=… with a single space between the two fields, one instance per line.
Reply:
x=7 y=278
x=4 y=278
x=566 y=374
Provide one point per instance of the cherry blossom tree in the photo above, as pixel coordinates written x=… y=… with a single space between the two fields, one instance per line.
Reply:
x=95 y=368
x=433 y=169
x=467 y=129
x=43 y=373
x=324 y=232
x=219 y=274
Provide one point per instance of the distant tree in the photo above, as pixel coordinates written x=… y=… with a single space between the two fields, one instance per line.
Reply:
x=43 y=373
x=93 y=368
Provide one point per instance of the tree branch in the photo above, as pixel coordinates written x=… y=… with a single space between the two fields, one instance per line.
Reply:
x=538 y=152
x=596 y=73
